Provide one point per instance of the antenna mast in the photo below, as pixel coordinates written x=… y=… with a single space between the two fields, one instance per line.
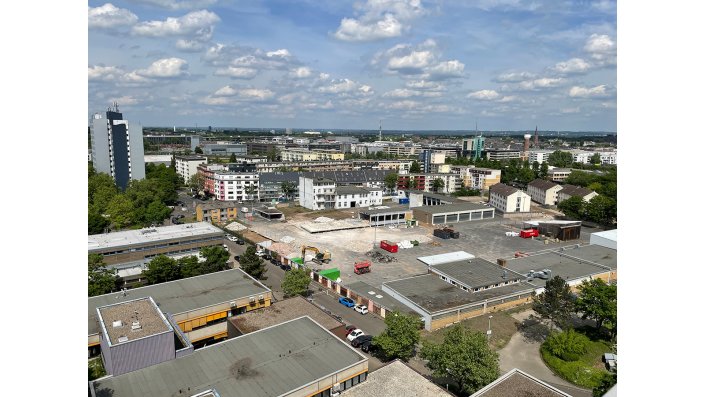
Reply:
x=380 y=129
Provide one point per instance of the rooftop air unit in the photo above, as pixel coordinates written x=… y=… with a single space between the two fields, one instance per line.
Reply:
x=136 y=325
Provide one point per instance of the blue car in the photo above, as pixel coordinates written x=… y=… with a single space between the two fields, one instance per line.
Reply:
x=346 y=301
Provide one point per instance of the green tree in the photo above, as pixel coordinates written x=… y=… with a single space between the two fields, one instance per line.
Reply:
x=556 y=303
x=198 y=150
x=606 y=383
x=602 y=210
x=287 y=188
x=121 y=211
x=597 y=301
x=251 y=264
x=189 y=266
x=415 y=167
x=156 y=212
x=101 y=280
x=216 y=259
x=96 y=222
x=438 y=184
x=560 y=159
x=390 y=181
x=100 y=182
x=567 y=345
x=411 y=183
x=573 y=207
x=400 y=336
x=162 y=269
x=535 y=167
x=465 y=357
x=525 y=175
x=197 y=182
x=595 y=159
x=233 y=158
x=296 y=282
x=172 y=163
x=543 y=171
x=272 y=154
x=250 y=191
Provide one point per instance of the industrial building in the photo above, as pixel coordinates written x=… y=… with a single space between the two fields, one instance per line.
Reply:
x=452 y=213
x=386 y=216
x=117 y=147
x=268 y=213
x=310 y=155
x=224 y=149
x=608 y=238
x=418 y=198
x=138 y=245
x=136 y=334
x=199 y=305
x=295 y=358
x=502 y=154
x=216 y=212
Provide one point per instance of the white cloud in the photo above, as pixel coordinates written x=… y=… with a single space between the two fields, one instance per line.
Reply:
x=599 y=91
x=452 y=68
x=541 y=83
x=237 y=72
x=108 y=16
x=572 y=66
x=484 y=95
x=339 y=86
x=196 y=26
x=379 y=19
x=245 y=57
x=422 y=60
x=228 y=94
x=301 y=72
x=570 y=110
x=104 y=73
x=514 y=77
x=417 y=60
x=425 y=85
x=164 y=68
x=601 y=48
x=225 y=91
x=178 y=5
x=407 y=93
x=282 y=53
x=256 y=93
x=125 y=100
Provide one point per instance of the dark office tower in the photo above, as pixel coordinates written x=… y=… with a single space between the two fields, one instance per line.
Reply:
x=116 y=147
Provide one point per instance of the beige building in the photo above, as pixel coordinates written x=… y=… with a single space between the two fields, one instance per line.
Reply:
x=559 y=174
x=509 y=199
x=543 y=191
x=478 y=178
x=311 y=155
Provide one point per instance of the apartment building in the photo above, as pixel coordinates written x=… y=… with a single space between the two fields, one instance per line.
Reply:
x=424 y=182
x=606 y=157
x=539 y=155
x=187 y=166
x=308 y=155
x=316 y=193
x=509 y=199
x=477 y=178
x=543 y=192
x=502 y=154
x=569 y=191
x=559 y=174
x=216 y=212
x=229 y=185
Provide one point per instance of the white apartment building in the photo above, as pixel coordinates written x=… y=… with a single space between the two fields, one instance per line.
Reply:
x=309 y=155
x=316 y=193
x=558 y=174
x=543 y=191
x=539 y=155
x=478 y=178
x=606 y=157
x=354 y=197
x=508 y=199
x=231 y=185
x=402 y=149
x=187 y=166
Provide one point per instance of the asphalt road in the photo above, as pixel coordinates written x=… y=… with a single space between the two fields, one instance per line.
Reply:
x=369 y=323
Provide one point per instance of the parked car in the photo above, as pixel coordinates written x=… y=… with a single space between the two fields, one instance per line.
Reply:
x=259 y=253
x=350 y=328
x=357 y=342
x=362 y=309
x=267 y=257
x=226 y=247
x=239 y=242
x=232 y=238
x=351 y=336
x=346 y=301
x=286 y=268
x=366 y=346
x=237 y=258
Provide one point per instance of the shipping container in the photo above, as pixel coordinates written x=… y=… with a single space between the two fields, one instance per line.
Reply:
x=529 y=233
x=389 y=246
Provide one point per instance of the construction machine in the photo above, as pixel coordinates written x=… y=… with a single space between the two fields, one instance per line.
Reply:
x=319 y=257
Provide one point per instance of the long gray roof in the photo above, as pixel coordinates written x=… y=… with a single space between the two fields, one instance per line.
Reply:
x=350 y=190
x=457 y=207
x=502 y=189
x=542 y=184
x=184 y=295
x=476 y=272
x=274 y=177
x=572 y=190
x=269 y=362
x=346 y=177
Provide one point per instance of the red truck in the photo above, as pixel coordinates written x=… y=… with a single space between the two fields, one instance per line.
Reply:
x=528 y=233
x=389 y=246
x=363 y=267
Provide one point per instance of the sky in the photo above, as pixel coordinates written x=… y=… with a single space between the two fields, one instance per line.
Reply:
x=334 y=64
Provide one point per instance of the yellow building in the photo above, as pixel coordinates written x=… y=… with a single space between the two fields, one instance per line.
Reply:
x=216 y=212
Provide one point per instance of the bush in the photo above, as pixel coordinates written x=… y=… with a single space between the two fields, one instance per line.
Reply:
x=568 y=345
x=575 y=372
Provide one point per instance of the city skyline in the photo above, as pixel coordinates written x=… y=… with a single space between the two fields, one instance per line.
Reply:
x=418 y=65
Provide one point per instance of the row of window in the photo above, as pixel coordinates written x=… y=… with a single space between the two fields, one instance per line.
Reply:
x=158 y=246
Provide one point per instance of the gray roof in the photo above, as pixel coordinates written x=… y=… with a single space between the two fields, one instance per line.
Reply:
x=364 y=289
x=192 y=158
x=435 y=295
x=503 y=190
x=266 y=210
x=396 y=379
x=184 y=295
x=269 y=362
x=457 y=207
x=434 y=195
x=281 y=311
x=569 y=264
x=212 y=205
x=276 y=177
x=350 y=177
x=475 y=272
x=350 y=190
x=542 y=184
x=395 y=209
x=148 y=235
x=572 y=190
x=519 y=383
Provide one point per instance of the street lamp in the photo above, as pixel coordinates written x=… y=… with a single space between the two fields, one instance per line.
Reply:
x=489 y=327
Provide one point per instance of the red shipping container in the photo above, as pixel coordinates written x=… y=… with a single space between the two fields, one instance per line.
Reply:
x=388 y=246
x=529 y=233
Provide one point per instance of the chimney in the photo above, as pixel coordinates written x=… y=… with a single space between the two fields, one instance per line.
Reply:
x=502 y=262
x=527 y=141
x=536 y=137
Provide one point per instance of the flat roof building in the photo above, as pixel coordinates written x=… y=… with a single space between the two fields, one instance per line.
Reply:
x=390 y=215
x=452 y=213
x=608 y=238
x=199 y=305
x=134 y=245
x=295 y=358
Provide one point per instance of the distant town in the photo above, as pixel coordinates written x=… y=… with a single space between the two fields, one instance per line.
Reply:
x=238 y=262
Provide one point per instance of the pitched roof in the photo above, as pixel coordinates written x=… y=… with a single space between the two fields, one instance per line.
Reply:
x=519 y=383
x=346 y=177
x=503 y=190
x=350 y=190
x=542 y=184
x=572 y=190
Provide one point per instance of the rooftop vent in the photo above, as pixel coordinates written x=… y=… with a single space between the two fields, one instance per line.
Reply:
x=117 y=324
x=147 y=231
x=136 y=325
x=122 y=339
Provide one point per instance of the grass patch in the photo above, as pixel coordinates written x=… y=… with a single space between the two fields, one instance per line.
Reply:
x=585 y=372
x=95 y=368
x=503 y=327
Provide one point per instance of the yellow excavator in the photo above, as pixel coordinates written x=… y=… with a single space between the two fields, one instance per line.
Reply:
x=319 y=257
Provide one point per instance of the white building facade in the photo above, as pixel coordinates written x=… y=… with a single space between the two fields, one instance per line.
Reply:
x=187 y=166
x=229 y=186
x=316 y=194
x=508 y=199
x=539 y=155
x=543 y=192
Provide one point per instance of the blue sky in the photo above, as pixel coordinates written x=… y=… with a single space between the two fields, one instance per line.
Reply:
x=415 y=64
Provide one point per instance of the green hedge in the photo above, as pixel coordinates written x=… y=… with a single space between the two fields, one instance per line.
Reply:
x=576 y=372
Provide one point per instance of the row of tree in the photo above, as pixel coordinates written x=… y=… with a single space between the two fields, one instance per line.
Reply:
x=601 y=209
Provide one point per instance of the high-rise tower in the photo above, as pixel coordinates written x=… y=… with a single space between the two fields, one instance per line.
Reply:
x=116 y=147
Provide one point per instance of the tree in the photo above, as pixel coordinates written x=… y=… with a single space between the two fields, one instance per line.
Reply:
x=556 y=303
x=543 y=171
x=598 y=301
x=216 y=259
x=568 y=345
x=162 y=269
x=101 y=280
x=560 y=159
x=573 y=207
x=288 y=187
x=535 y=168
x=525 y=175
x=121 y=211
x=602 y=210
x=96 y=222
x=464 y=356
x=233 y=158
x=198 y=150
x=173 y=161
x=272 y=154
x=197 y=182
x=390 y=181
x=411 y=184
x=595 y=159
x=252 y=264
x=156 y=212
x=415 y=167
x=606 y=383
x=400 y=336
x=250 y=190
x=438 y=184
x=189 y=266
x=296 y=282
